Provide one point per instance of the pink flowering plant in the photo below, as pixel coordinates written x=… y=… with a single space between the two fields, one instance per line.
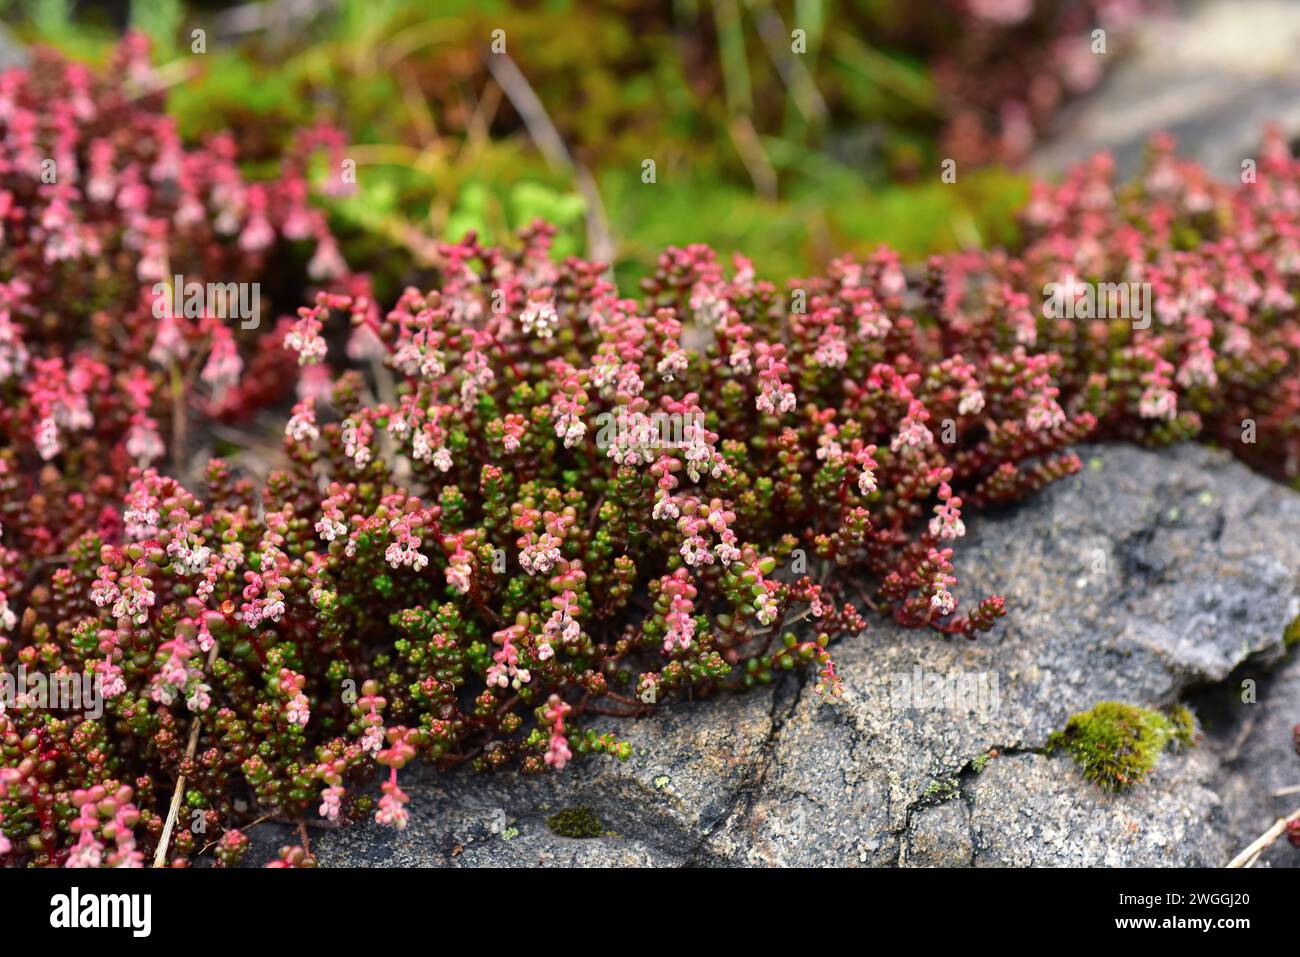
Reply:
x=517 y=500
x=102 y=208
x=1218 y=354
x=514 y=543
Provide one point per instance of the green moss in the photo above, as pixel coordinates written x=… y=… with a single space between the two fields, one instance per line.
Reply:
x=1117 y=744
x=575 y=822
x=1291 y=636
x=1184 y=725
x=979 y=763
x=941 y=791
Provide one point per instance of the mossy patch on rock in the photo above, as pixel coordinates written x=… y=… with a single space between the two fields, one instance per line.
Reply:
x=1291 y=636
x=575 y=822
x=940 y=791
x=1117 y=744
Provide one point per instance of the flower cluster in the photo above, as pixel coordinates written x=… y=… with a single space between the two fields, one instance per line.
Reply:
x=1214 y=351
x=454 y=562
x=130 y=266
x=551 y=575
x=1009 y=67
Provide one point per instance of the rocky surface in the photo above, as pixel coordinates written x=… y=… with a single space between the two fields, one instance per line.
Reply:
x=1148 y=578
x=1213 y=76
x=12 y=52
x=1255 y=751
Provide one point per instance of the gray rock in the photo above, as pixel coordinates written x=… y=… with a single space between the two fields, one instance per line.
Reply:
x=1028 y=811
x=1249 y=722
x=1148 y=578
x=12 y=52
x=1213 y=76
x=656 y=807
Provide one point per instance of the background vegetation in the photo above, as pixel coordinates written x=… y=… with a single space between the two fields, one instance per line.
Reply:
x=790 y=157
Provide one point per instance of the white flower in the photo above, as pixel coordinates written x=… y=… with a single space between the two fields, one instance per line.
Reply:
x=972 y=403
x=540 y=316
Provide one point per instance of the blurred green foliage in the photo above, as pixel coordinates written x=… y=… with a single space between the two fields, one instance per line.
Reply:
x=788 y=159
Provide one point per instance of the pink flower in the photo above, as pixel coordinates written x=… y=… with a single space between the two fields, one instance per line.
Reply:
x=912 y=432
x=327 y=262
x=828 y=682
x=539 y=314
x=305 y=338
x=88 y=852
x=557 y=751
x=680 y=618
x=1158 y=402
x=460 y=574
x=223 y=368
x=299 y=710
x=1004 y=12
x=331 y=802
x=392 y=805
x=356 y=440
x=301 y=426
x=538 y=556
x=372 y=739
x=947 y=523
x=404 y=551
x=513 y=428
x=942 y=601
x=143 y=443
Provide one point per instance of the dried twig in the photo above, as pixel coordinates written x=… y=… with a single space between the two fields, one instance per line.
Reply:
x=477 y=131
x=178 y=419
x=166 y=76
x=1257 y=847
x=160 y=855
x=416 y=37
x=543 y=132
x=750 y=149
x=426 y=130
x=1243 y=736
x=278 y=15
x=771 y=28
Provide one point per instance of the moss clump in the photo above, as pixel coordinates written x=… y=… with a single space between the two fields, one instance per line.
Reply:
x=575 y=822
x=1184 y=725
x=1117 y=744
x=1291 y=636
x=942 y=791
